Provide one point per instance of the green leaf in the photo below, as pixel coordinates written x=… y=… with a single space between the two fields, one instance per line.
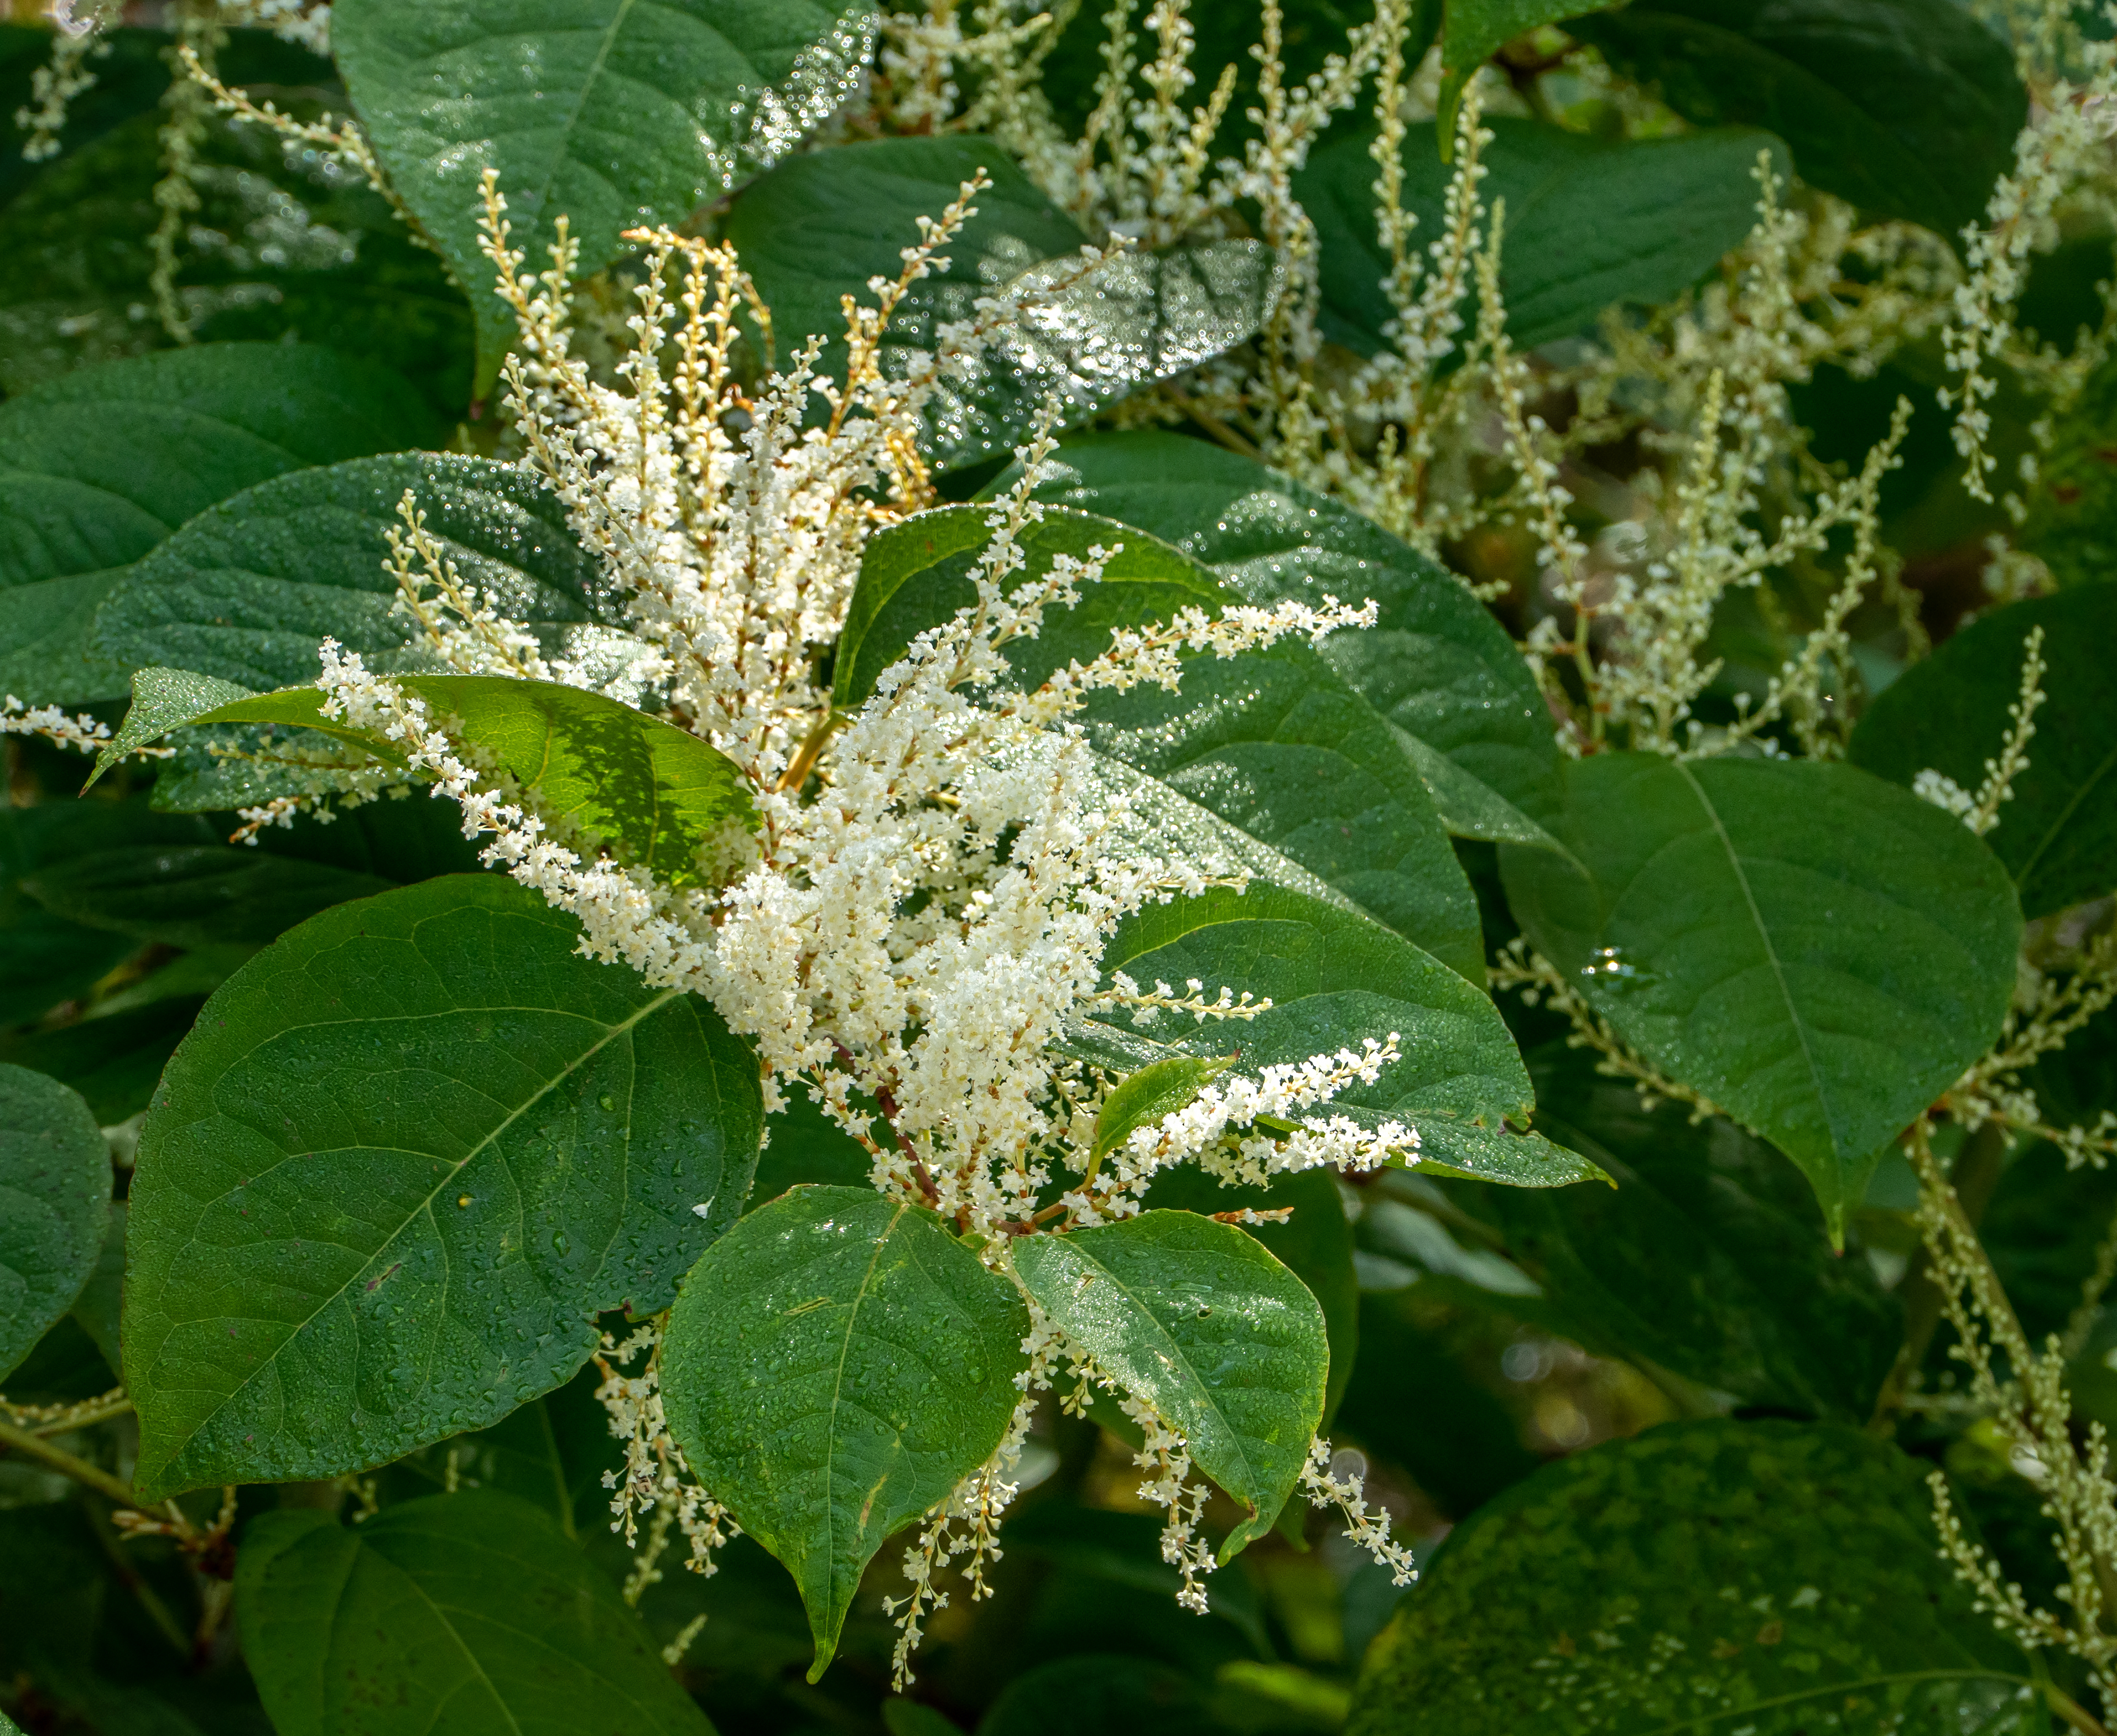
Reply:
x=1437 y=665
x=1195 y=1318
x=1905 y=108
x=1272 y=743
x=96 y=1309
x=2058 y=834
x=834 y=1366
x=1707 y=1257
x=1774 y=1577
x=610 y=114
x=1820 y=954
x=196 y=895
x=114 y=1059
x=54 y=1201
x=244 y=591
x=467 y=1612
x=98 y=468
x=1314 y=1244
x=655 y=793
x=1143 y=1098
x=1590 y=223
x=410 y=1152
x=1472 y=31
x=1335 y=978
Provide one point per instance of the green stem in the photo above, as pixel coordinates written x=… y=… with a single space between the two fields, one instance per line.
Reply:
x=14 y=1439
x=135 y=1581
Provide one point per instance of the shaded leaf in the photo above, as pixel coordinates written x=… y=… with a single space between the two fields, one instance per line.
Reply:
x=96 y=1309
x=470 y=1611
x=1472 y=31
x=54 y=1201
x=1792 y=1568
x=426 y=1142
x=1817 y=952
x=195 y=895
x=2058 y=834
x=834 y=1366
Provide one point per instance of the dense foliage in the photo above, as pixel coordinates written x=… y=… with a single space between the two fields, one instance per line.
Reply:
x=1246 y=867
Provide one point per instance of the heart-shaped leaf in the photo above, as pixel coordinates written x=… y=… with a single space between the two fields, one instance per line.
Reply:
x=54 y=1199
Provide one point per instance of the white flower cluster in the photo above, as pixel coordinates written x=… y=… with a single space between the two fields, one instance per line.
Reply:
x=82 y=732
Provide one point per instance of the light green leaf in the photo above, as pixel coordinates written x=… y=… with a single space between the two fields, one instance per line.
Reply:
x=1143 y=1098
x=469 y=1612
x=834 y=1366
x=244 y=592
x=1820 y=954
x=1904 y=108
x=1195 y=1318
x=1771 y=1577
x=1437 y=665
x=98 y=467
x=655 y=793
x=608 y=112
x=54 y=1201
x=409 y=1153
x=1335 y=979
x=2058 y=834
x=1590 y=223
x=165 y=700
x=820 y=225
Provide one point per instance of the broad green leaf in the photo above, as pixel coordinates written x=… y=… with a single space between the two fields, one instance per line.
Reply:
x=244 y=591
x=834 y=1367
x=1472 y=31
x=609 y=113
x=411 y=1151
x=1771 y=1577
x=114 y=1059
x=1144 y=1098
x=163 y=700
x=1195 y=1318
x=1314 y=1244
x=96 y=1309
x=1820 y=954
x=1272 y=743
x=195 y=895
x=552 y=1451
x=98 y=468
x=1708 y=1257
x=1335 y=979
x=805 y=1145
x=54 y=1201
x=819 y=226
x=1590 y=223
x=2058 y=834
x=654 y=793
x=1437 y=665
x=469 y=1612
x=1905 y=108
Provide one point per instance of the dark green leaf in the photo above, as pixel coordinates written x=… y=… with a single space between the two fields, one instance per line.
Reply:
x=1906 y=107
x=2058 y=835
x=194 y=895
x=114 y=1058
x=469 y=1612
x=1775 y=1578
x=96 y=1309
x=1438 y=666
x=805 y=1145
x=654 y=792
x=426 y=1142
x=1100 y=1692
x=819 y=226
x=1707 y=1257
x=835 y=1365
x=1195 y=1318
x=244 y=591
x=1817 y=952
x=46 y=960
x=1472 y=31
x=129 y=79
x=1589 y=222
x=98 y=468
x=608 y=113
x=1335 y=978
x=54 y=1201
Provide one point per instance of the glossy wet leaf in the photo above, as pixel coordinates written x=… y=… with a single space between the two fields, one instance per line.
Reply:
x=1195 y=1318
x=245 y=592
x=98 y=468
x=469 y=1612
x=2058 y=834
x=1437 y=665
x=654 y=792
x=1905 y=108
x=410 y=1152
x=1143 y=1099
x=1709 y=1257
x=1590 y=223
x=834 y=1365
x=1273 y=743
x=609 y=112
x=1818 y=953
x=1336 y=979
x=54 y=1201
x=1774 y=1577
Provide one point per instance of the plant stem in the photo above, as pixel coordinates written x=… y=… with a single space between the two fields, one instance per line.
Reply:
x=14 y=1439
x=135 y=1581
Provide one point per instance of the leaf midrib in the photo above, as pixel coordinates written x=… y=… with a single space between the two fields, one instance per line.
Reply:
x=837 y=1387
x=563 y=152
